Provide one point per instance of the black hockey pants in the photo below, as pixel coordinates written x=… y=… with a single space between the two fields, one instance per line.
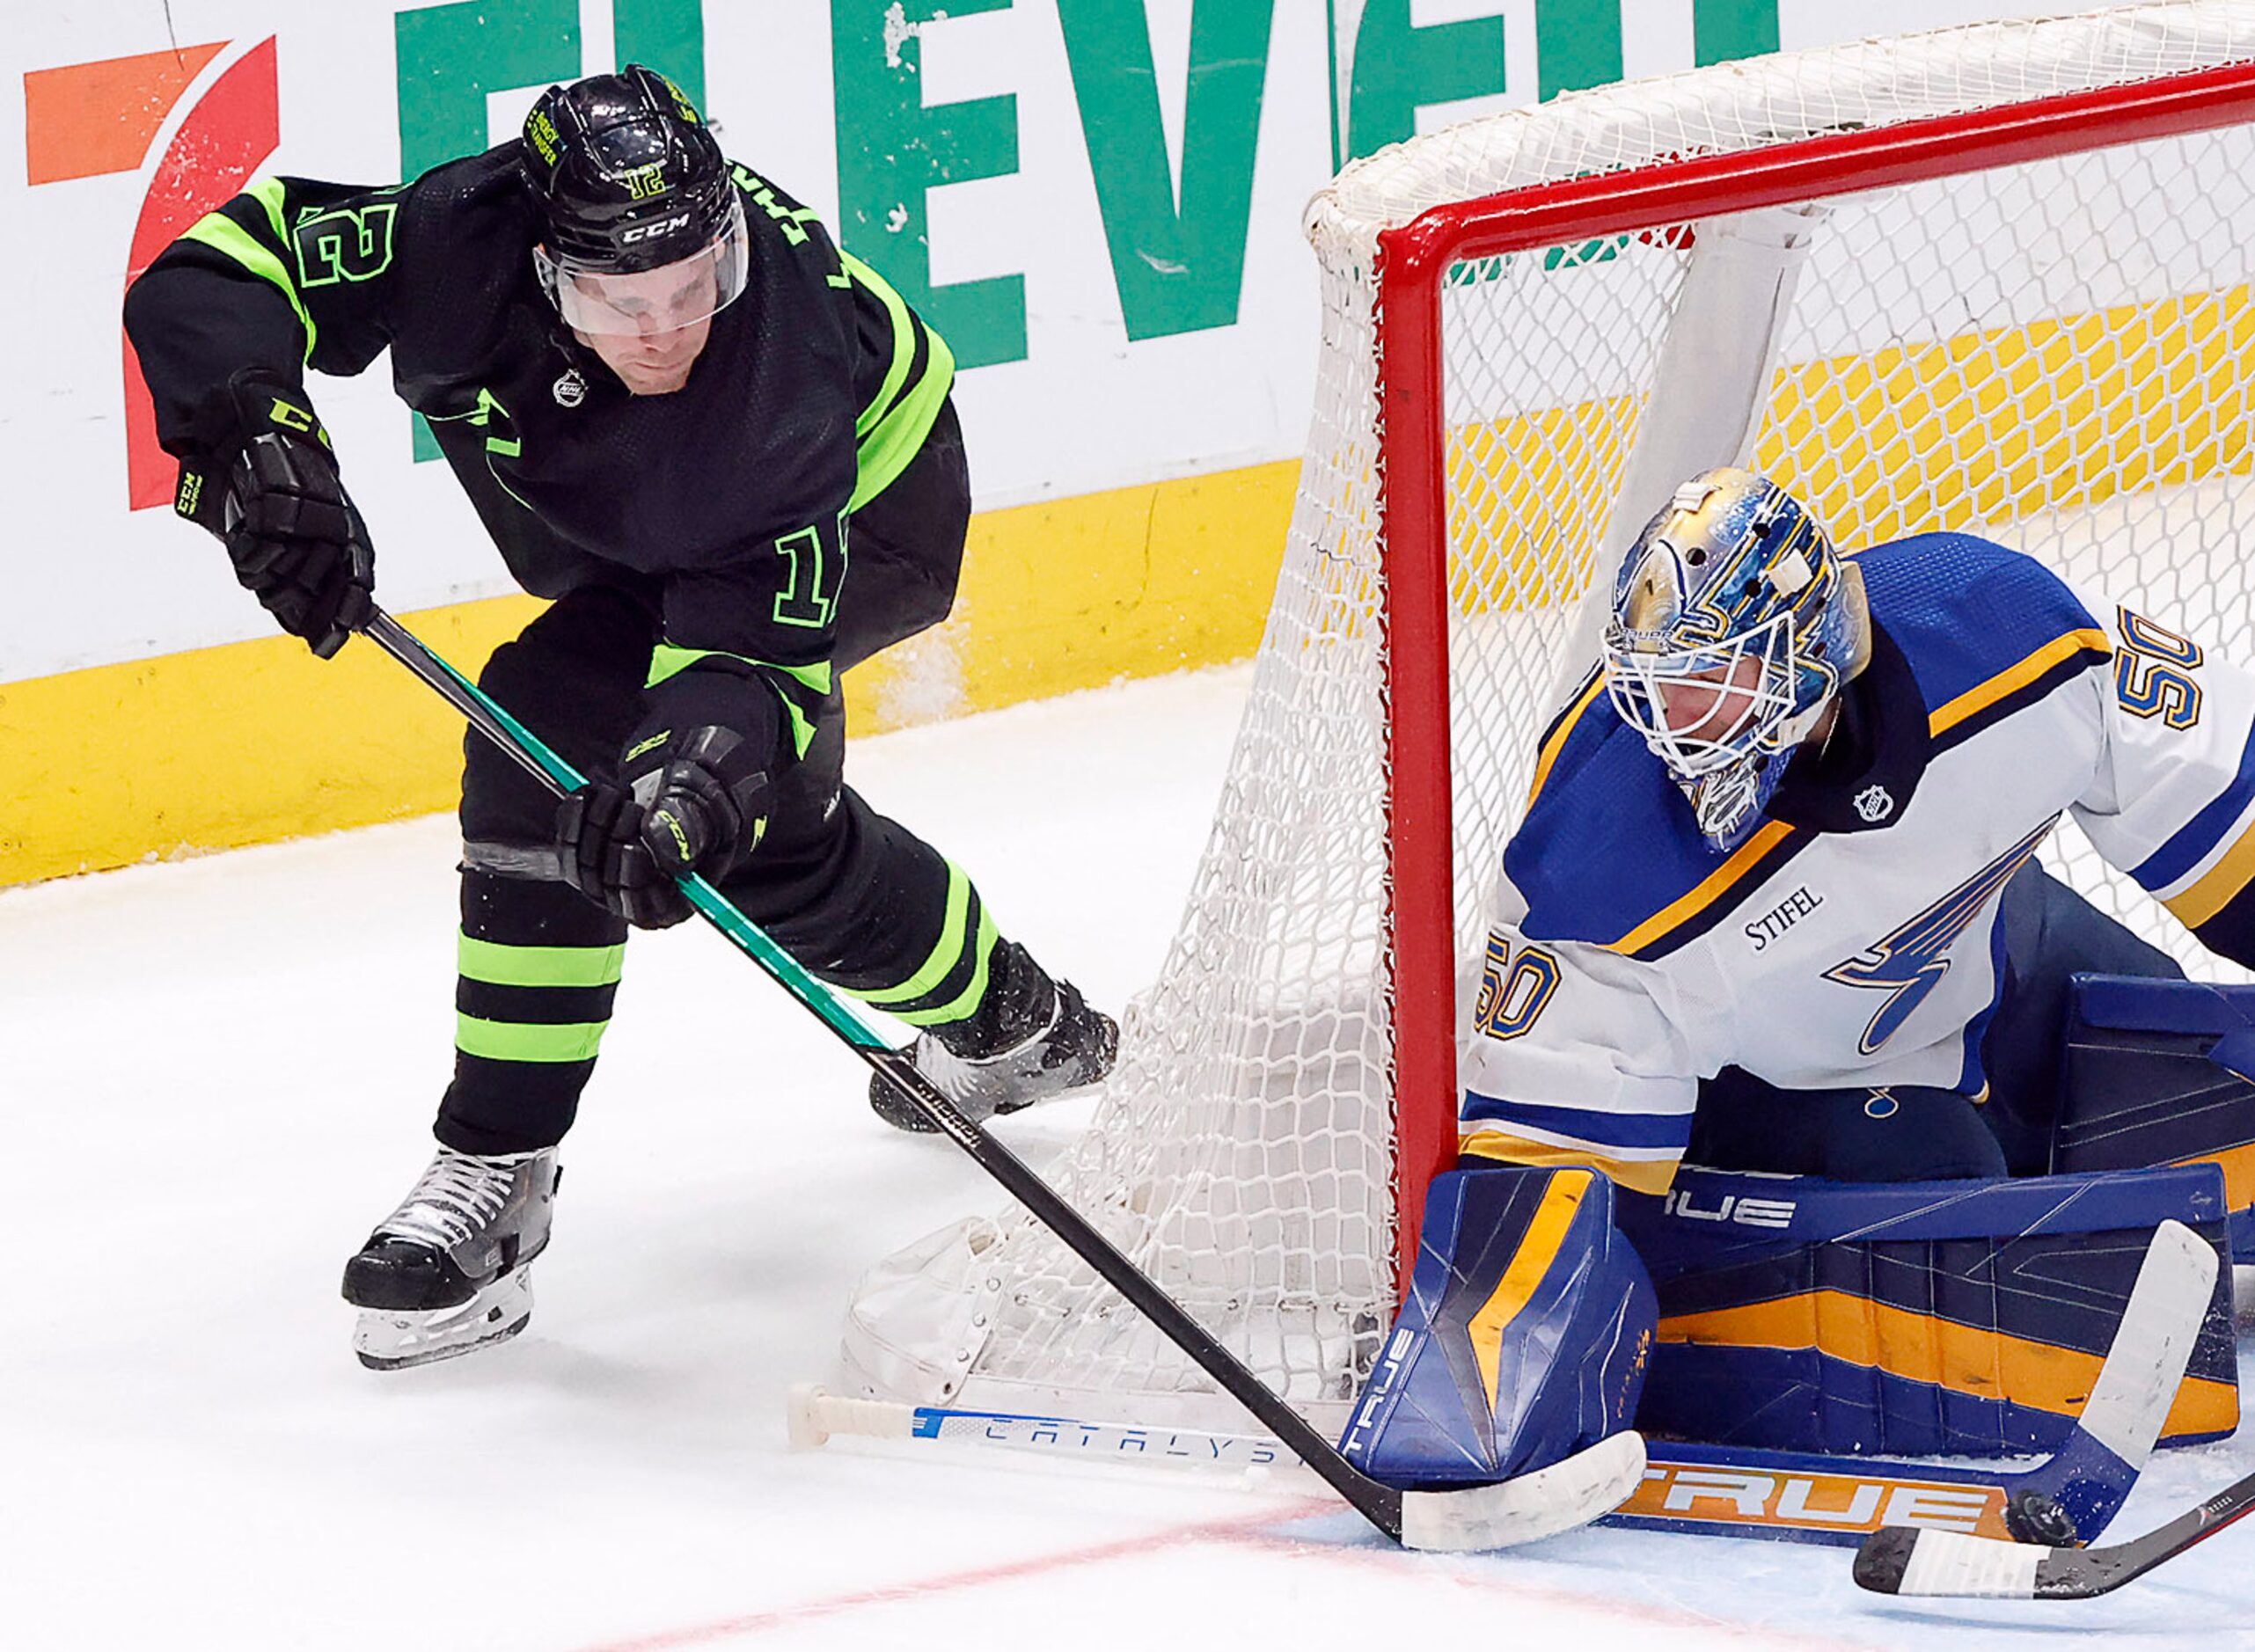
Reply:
x=858 y=899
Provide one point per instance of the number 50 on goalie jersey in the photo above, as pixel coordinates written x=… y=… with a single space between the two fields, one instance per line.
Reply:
x=1627 y=960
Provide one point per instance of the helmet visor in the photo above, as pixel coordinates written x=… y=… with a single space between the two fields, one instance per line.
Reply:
x=662 y=299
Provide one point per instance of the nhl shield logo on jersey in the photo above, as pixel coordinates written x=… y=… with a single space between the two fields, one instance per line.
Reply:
x=1875 y=803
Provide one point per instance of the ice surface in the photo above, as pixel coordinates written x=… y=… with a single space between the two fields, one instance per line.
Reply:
x=221 y=1073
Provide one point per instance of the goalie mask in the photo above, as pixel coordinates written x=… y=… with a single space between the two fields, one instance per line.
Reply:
x=1734 y=624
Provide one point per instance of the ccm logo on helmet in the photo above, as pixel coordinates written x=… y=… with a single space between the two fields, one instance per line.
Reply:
x=1745 y=1212
x=644 y=231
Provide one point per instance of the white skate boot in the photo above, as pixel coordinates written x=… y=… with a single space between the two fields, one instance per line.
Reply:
x=449 y=1270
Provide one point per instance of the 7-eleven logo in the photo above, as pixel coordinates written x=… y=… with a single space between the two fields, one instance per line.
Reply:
x=86 y=119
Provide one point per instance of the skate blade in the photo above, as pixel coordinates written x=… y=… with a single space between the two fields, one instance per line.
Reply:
x=389 y=1340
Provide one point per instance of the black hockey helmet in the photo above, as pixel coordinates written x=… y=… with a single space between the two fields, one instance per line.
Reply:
x=629 y=173
x=632 y=181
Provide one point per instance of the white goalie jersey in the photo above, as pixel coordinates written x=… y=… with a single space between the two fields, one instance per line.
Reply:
x=1854 y=938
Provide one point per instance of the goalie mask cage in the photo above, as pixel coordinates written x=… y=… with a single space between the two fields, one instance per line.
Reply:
x=1994 y=277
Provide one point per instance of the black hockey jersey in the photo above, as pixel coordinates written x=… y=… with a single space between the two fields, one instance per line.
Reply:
x=815 y=389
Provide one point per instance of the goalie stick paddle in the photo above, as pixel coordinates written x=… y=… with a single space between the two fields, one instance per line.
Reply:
x=1902 y=1560
x=1713 y=1491
x=1551 y=1500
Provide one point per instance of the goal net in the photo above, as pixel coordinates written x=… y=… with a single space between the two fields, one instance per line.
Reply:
x=1994 y=278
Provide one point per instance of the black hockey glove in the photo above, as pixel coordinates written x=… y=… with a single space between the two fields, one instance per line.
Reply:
x=691 y=804
x=278 y=504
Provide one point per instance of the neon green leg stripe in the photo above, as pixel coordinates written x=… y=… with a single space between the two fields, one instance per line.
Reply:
x=501 y=966
x=966 y=1003
x=528 y=1041
x=944 y=956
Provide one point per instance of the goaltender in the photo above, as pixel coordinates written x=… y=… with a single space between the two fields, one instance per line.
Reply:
x=678 y=407
x=1774 y=908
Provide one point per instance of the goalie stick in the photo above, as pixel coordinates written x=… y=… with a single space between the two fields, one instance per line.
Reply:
x=1723 y=1491
x=1551 y=1500
x=1901 y=1561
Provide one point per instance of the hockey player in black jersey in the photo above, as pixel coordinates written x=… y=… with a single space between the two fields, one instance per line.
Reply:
x=726 y=451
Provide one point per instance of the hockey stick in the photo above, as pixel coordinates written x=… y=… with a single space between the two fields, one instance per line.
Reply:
x=1900 y=1561
x=1723 y=1491
x=1554 y=1499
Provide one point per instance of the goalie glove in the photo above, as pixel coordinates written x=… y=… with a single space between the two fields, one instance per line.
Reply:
x=275 y=499
x=692 y=803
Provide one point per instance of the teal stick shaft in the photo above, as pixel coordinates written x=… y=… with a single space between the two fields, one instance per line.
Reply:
x=546 y=765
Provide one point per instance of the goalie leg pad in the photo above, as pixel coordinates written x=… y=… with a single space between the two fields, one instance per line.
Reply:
x=1911 y=1318
x=1524 y=1338
x=2162 y=1073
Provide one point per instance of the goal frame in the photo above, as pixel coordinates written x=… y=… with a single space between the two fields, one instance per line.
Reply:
x=1412 y=499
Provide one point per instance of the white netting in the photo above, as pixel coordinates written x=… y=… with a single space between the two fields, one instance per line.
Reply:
x=2050 y=353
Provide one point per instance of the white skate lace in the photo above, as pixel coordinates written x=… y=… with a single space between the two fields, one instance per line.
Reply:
x=457 y=1196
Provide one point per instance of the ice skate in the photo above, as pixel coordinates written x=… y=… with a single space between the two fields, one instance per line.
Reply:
x=449 y=1270
x=1072 y=1046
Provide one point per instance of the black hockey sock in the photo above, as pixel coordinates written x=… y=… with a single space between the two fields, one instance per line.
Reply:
x=1020 y=1003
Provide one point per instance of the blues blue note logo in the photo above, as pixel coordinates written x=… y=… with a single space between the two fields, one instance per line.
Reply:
x=1910 y=963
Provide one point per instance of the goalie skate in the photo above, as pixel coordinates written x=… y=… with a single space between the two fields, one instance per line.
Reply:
x=449 y=1270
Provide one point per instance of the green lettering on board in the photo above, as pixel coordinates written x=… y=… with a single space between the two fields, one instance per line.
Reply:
x=1397 y=68
x=894 y=149
x=1178 y=269
x=1576 y=44
x=1722 y=30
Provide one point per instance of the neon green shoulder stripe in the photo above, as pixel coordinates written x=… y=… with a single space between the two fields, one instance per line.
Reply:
x=887 y=432
x=903 y=341
x=223 y=234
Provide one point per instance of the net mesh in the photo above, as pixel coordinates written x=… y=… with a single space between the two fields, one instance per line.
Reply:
x=2050 y=354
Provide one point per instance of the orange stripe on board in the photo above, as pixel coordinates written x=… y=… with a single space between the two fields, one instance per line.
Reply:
x=87 y=118
x=1538 y=1248
x=1984 y=695
x=1988 y=1364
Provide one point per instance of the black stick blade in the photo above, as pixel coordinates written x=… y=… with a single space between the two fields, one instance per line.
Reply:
x=1881 y=1562
x=1920 y=1560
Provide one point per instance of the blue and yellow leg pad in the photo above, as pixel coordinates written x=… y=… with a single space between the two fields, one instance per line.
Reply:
x=1524 y=1337
x=2162 y=1073
x=1911 y=1318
